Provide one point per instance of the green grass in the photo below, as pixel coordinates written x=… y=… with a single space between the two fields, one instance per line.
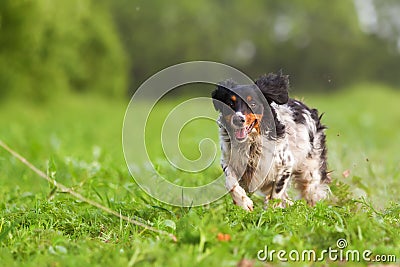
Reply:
x=77 y=140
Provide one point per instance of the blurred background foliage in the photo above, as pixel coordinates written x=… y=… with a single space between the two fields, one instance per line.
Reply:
x=48 y=47
x=107 y=47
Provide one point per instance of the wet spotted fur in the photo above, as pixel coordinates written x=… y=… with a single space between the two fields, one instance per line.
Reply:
x=267 y=162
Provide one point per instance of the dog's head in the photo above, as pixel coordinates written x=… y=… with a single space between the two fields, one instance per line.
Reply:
x=243 y=106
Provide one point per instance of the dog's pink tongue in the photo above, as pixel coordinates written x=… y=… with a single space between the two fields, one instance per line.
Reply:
x=241 y=133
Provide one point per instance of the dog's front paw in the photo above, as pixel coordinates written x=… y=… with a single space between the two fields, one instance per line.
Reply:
x=245 y=202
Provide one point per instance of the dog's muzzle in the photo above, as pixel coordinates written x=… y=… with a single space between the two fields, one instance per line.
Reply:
x=240 y=129
x=238 y=120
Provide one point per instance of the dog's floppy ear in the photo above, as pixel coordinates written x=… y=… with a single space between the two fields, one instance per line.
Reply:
x=274 y=87
x=221 y=94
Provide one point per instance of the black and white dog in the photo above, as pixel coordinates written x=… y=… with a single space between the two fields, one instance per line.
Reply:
x=267 y=139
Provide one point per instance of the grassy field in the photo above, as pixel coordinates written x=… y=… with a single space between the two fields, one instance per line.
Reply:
x=77 y=141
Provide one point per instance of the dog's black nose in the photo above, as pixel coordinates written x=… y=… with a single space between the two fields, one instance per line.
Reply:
x=238 y=120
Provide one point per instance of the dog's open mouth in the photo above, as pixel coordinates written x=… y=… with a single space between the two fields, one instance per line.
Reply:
x=242 y=133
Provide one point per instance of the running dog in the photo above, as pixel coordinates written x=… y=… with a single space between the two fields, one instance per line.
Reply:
x=268 y=139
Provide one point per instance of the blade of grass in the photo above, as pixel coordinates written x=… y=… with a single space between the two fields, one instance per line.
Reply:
x=80 y=197
x=3 y=233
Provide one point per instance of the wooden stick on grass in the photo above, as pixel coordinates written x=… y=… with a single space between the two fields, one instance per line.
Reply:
x=82 y=198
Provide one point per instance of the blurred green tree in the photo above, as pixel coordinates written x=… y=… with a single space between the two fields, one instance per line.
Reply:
x=321 y=45
x=111 y=47
x=49 y=47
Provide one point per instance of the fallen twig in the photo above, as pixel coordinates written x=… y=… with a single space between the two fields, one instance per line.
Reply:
x=70 y=191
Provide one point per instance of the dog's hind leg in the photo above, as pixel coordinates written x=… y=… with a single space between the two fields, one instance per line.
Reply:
x=311 y=183
x=311 y=176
